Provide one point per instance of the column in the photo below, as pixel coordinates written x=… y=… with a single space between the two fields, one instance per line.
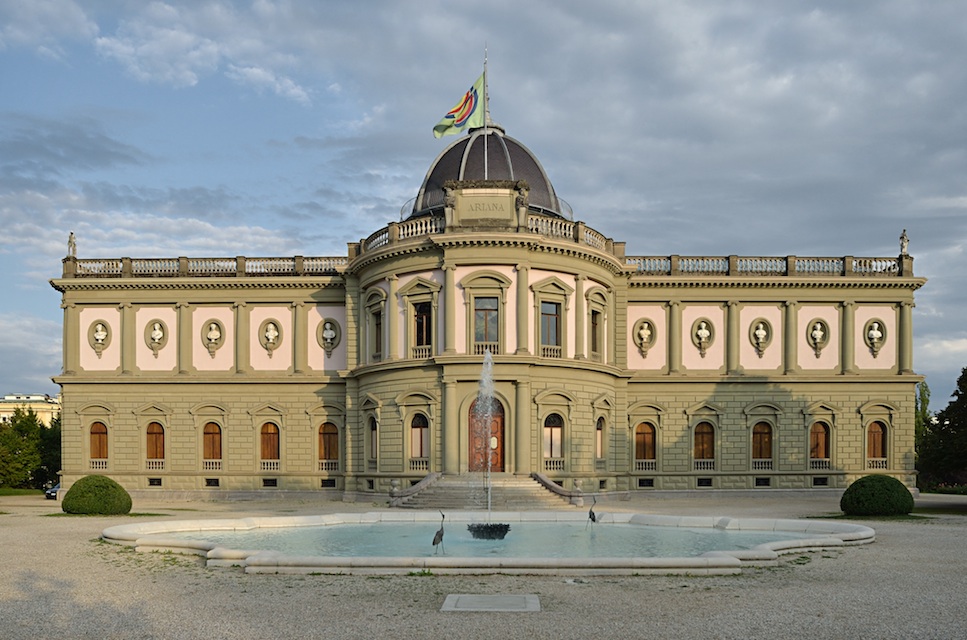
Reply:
x=393 y=319
x=242 y=338
x=185 y=338
x=72 y=340
x=905 y=329
x=580 y=340
x=732 y=337
x=449 y=310
x=790 y=350
x=847 y=332
x=451 y=428
x=522 y=429
x=300 y=337
x=523 y=311
x=352 y=331
x=128 y=339
x=674 y=336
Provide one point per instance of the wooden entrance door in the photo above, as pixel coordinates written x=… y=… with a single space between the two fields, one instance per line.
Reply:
x=480 y=438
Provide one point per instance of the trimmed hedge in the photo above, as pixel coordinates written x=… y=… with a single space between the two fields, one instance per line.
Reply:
x=876 y=496
x=96 y=495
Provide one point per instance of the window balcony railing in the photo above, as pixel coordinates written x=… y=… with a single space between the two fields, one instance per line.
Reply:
x=98 y=464
x=271 y=465
x=646 y=465
x=705 y=465
x=552 y=351
x=876 y=463
x=762 y=464
x=819 y=464
x=480 y=348
x=422 y=352
x=154 y=464
x=329 y=465
x=419 y=464
x=211 y=465
x=553 y=464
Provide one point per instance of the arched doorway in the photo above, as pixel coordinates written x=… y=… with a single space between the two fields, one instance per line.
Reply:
x=481 y=434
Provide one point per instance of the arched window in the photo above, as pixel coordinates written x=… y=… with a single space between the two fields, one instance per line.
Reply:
x=819 y=442
x=704 y=441
x=599 y=439
x=762 y=441
x=876 y=441
x=553 y=436
x=98 y=441
x=270 y=441
x=645 y=442
x=373 y=438
x=212 y=446
x=328 y=442
x=155 y=442
x=419 y=437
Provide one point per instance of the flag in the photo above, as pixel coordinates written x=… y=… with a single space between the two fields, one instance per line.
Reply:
x=467 y=114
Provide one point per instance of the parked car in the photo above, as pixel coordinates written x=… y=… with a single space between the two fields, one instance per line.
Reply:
x=51 y=494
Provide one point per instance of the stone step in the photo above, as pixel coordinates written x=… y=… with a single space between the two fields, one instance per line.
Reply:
x=469 y=492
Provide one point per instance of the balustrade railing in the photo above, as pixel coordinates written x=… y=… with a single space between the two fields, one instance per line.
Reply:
x=154 y=465
x=551 y=351
x=819 y=464
x=646 y=465
x=211 y=465
x=766 y=266
x=705 y=465
x=329 y=465
x=422 y=352
x=762 y=464
x=98 y=464
x=553 y=464
x=271 y=465
x=480 y=348
x=419 y=464
x=876 y=463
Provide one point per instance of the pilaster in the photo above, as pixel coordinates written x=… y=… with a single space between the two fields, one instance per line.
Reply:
x=790 y=349
x=674 y=336
x=522 y=429
x=848 y=340
x=523 y=286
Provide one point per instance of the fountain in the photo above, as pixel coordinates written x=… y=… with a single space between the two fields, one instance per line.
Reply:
x=484 y=410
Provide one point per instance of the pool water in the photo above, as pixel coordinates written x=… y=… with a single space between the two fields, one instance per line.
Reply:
x=525 y=540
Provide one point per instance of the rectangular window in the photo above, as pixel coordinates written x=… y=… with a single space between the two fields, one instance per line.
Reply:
x=486 y=327
x=377 y=336
x=424 y=327
x=552 y=442
x=596 y=333
x=551 y=324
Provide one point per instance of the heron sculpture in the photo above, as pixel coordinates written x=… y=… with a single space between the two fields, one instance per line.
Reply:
x=592 y=517
x=438 y=536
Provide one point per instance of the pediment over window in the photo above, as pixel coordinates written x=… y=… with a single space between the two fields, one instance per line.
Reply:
x=485 y=279
x=552 y=285
x=419 y=285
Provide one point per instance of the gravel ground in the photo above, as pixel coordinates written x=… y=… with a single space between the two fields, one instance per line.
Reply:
x=59 y=581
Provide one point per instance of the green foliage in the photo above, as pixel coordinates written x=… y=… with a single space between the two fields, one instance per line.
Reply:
x=921 y=419
x=47 y=473
x=942 y=451
x=96 y=495
x=20 y=449
x=876 y=496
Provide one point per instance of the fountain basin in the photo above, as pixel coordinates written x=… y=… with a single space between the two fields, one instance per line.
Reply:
x=161 y=536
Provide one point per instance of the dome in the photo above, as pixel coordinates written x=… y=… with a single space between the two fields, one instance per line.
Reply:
x=507 y=159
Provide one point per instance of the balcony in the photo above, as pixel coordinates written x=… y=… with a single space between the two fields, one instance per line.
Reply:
x=420 y=464
x=98 y=464
x=211 y=465
x=646 y=465
x=705 y=465
x=422 y=352
x=819 y=464
x=329 y=465
x=876 y=464
x=154 y=464
x=553 y=464
x=480 y=348
x=762 y=464
x=270 y=465
x=552 y=351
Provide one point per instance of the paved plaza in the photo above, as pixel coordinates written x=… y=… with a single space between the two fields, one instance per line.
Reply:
x=60 y=581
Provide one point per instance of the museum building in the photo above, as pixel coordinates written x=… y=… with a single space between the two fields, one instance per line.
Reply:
x=359 y=373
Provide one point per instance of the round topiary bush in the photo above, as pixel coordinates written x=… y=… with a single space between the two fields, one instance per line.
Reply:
x=876 y=496
x=97 y=495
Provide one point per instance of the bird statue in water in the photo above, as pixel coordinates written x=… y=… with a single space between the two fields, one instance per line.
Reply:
x=591 y=515
x=438 y=536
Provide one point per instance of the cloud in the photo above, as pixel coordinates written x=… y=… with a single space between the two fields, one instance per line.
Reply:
x=44 y=26
x=31 y=346
x=264 y=79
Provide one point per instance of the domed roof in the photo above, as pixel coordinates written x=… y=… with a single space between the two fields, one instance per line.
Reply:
x=507 y=159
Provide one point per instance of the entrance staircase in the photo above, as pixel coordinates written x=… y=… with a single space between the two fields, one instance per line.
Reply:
x=469 y=491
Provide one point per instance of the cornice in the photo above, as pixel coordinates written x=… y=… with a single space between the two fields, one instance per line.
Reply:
x=193 y=284
x=779 y=282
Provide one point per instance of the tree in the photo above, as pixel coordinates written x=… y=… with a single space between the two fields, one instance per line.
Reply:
x=49 y=455
x=922 y=416
x=20 y=449
x=943 y=450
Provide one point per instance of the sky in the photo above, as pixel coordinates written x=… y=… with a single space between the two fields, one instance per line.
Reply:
x=210 y=128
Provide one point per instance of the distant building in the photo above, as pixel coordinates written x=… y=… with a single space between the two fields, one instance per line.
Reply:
x=354 y=373
x=43 y=405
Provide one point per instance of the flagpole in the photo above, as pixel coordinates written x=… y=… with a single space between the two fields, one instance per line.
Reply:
x=486 y=106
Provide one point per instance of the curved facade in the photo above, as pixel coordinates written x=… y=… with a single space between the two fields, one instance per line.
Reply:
x=611 y=372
